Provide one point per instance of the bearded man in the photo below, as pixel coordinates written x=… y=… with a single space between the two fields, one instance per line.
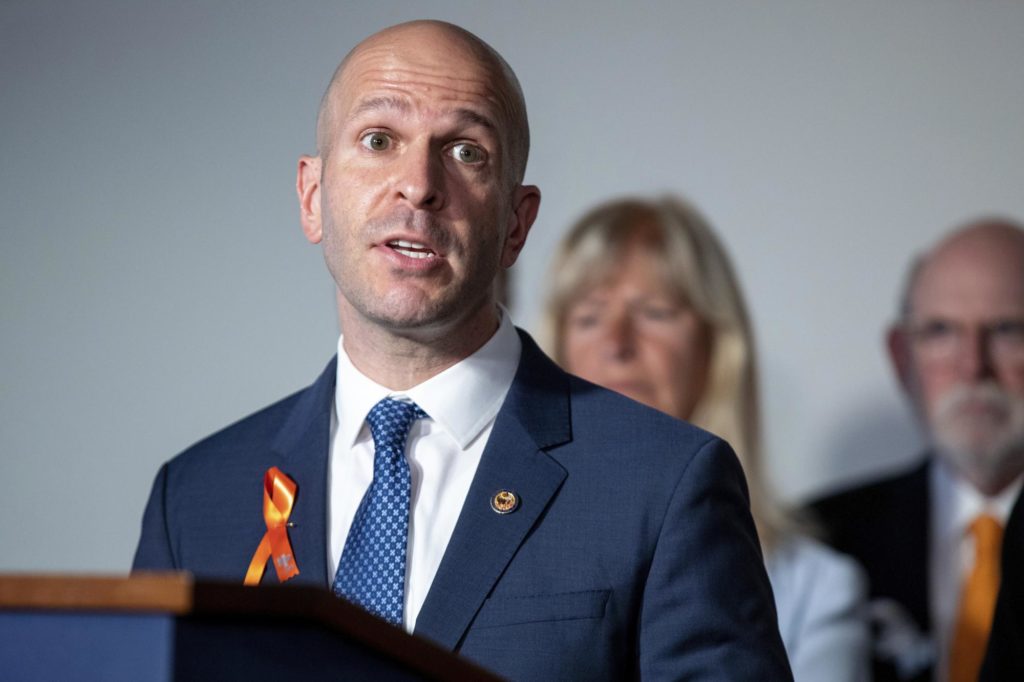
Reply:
x=930 y=537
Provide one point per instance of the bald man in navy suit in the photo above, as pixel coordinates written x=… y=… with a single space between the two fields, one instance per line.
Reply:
x=555 y=530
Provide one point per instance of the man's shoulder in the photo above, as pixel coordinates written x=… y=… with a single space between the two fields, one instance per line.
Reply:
x=261 y=430
x=900 y=488
x=639 y=448
x=257 y=427
x=881 y=522
x=618 y=417
x=600 y=424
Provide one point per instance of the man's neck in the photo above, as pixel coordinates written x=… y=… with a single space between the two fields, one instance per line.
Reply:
x=986 y=487
x=401 y=359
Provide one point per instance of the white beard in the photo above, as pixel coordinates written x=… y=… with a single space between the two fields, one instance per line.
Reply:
x=979 y=430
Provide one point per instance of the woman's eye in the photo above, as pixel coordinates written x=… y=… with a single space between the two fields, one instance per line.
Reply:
x=583 y=320
x=376 y=142
x=659 y=313
x=467 y=153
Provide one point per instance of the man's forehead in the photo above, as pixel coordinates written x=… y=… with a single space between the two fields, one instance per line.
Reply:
x=407 y=102
x=973 y=283
x=372 y=103
x=384 y=78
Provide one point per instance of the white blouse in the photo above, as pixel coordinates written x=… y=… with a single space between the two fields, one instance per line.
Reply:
x=821 y=599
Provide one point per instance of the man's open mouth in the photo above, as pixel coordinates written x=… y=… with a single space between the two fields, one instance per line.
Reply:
x=411 y=249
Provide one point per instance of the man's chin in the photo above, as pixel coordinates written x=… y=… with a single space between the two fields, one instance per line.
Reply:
x=401 y=308
x=410 y=323
x=989 y=465
x=418 y=317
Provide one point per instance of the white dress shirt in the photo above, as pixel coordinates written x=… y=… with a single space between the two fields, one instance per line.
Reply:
x=443 y=451
x=955 y=504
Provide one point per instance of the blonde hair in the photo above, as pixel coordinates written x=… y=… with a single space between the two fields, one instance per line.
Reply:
x=694 y=265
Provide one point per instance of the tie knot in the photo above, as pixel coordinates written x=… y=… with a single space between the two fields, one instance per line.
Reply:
x=390 y=421
x=988 y=534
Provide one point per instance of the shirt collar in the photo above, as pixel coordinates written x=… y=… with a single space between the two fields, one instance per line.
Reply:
x=462 y=399
x=966 y=502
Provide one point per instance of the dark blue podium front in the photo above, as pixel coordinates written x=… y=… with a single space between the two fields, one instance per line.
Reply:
x=164 y=628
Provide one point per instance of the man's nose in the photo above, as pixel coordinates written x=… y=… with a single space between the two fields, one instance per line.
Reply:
x=976 y=355
x=420 y=179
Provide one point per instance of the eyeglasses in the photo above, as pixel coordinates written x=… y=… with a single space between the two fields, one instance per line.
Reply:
x=944 y=341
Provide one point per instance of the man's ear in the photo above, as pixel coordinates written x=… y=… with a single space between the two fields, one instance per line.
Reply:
x=525 y=204
x=898 y=342
x=307 y=186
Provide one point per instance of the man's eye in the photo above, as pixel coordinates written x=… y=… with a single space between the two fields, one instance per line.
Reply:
x=936 y=330
x=375 y=142
x=467 y=153
x=1011 y=330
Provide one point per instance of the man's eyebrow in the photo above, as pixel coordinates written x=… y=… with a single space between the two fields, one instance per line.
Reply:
x=474 y=117
x=381 y=104
x=397 y=104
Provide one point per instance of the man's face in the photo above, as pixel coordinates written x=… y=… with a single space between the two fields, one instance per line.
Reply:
x=965 y=343
x=418 y=209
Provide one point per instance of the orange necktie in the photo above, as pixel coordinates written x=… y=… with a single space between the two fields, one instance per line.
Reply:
x=977 y=602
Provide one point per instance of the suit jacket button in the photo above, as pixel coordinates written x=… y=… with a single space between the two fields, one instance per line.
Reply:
x=504 y=502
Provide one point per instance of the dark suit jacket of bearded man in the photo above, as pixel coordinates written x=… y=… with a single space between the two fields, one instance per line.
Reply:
x=885 y=524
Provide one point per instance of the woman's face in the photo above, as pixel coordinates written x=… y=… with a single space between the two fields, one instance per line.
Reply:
x=634 y=336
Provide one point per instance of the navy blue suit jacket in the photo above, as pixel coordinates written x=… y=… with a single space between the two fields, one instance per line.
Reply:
x=632 y=553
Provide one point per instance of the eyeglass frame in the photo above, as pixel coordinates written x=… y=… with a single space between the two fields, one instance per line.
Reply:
x=941 y=340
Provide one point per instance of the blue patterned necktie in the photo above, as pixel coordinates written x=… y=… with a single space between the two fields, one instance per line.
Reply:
x=371 y=572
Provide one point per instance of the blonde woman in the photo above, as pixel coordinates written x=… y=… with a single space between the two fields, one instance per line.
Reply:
x=644 y=301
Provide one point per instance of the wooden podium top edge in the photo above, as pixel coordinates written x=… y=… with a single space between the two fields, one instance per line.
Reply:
x=166 y=592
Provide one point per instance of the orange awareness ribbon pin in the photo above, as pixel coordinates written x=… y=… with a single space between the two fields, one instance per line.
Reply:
x=278 y=498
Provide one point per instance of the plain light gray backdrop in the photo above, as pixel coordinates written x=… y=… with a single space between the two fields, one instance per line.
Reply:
x=156 y=285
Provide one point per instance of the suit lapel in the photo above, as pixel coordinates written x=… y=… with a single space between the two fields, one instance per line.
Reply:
x=535 y=416
x=912 y=545
x=303 y=444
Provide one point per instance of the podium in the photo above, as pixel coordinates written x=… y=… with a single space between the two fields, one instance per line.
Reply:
x=165 y=627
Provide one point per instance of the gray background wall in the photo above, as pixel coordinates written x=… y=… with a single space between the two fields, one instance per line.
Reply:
x=155 y=285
